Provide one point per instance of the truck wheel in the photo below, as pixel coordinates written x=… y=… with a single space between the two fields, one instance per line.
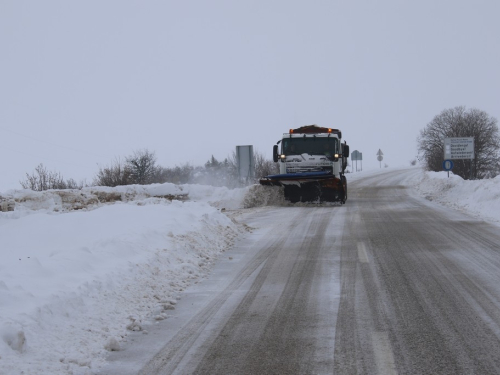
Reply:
x=344 y=185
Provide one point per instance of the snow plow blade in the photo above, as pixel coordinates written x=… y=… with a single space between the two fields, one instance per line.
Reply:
x=310 y=186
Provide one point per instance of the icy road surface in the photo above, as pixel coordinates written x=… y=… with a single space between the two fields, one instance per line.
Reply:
x=390 y=283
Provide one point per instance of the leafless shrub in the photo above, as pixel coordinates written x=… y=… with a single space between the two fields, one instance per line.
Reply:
x=43 y=179
x=263 y=166
x=116 y=174
x=177 y=175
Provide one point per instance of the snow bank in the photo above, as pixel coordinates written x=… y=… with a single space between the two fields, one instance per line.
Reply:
x=82 y=268
x=480 y=198
x=93 y=197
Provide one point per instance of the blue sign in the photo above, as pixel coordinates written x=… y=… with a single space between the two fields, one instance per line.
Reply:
x=447 y=165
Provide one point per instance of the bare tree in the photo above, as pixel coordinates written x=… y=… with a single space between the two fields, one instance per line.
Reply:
x=458 y=122
x=72 y=184
x=263 y=166
x=116 y=174
x=142 y=166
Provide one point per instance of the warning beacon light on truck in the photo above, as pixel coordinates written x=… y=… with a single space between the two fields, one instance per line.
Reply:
x=313 y=130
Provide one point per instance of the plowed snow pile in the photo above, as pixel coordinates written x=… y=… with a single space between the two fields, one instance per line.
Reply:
x=80 y=269
x=258 y=195
x=480 y=198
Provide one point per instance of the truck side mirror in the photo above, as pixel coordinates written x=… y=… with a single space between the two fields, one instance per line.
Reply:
x=346 y=151
x=275 y=153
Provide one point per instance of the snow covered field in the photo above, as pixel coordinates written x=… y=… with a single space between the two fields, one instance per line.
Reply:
x=81 y=269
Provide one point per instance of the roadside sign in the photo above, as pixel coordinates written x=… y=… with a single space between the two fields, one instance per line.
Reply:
x=447 y=165
x=380 y=157
x=355 y=156
x=458 y=148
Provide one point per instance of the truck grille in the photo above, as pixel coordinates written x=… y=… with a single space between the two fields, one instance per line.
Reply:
x=304 y=167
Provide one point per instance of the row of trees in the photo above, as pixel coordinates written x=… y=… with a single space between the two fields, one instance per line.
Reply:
x=142 y=168
x=460 y=122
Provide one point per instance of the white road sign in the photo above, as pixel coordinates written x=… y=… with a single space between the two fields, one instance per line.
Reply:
x=458 y=148
x=356 y=155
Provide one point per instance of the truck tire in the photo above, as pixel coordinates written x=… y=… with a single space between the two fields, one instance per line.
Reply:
x=344 y=186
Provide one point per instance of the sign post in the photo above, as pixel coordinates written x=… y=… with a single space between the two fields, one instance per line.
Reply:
x=448 y=166
x=380 y=156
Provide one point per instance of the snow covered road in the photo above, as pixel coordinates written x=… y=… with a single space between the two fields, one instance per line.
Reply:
x=271 y=308
x=420 y=285
x=402 y=279
x=390 y=283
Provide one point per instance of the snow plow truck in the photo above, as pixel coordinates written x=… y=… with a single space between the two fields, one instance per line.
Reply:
x=312 y=163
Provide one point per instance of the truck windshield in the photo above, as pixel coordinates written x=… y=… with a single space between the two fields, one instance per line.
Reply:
x=310 y=145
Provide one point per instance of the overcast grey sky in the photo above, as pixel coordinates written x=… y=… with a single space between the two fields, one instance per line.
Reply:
x=84 y=82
